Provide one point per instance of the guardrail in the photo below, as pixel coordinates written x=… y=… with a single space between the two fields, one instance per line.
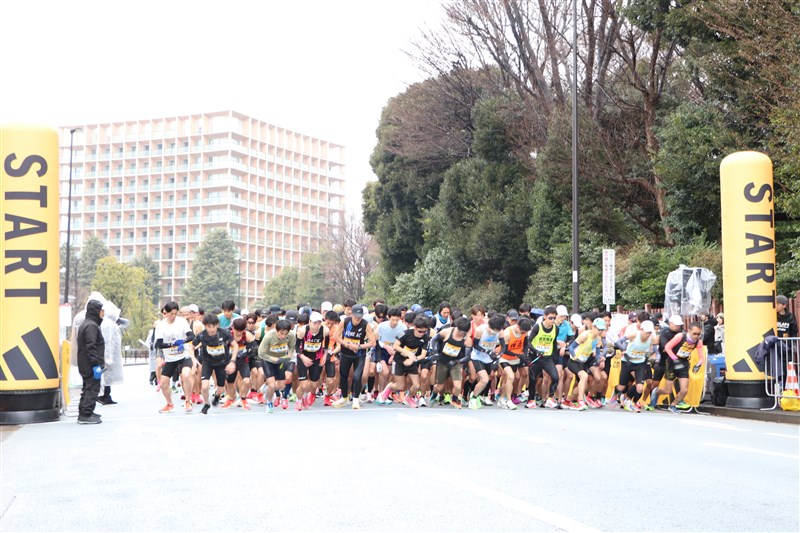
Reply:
x=135 y=357
x=782 y=358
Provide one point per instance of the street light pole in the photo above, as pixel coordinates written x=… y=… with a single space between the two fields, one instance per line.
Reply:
x=575 y=264
x=69 y=215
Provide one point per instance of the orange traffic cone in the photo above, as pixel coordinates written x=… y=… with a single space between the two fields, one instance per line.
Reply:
x=791 y=394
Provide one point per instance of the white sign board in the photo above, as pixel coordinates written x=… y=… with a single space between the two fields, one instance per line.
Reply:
x=609 y=276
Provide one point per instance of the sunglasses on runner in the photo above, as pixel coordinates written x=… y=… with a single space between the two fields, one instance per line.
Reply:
x=550 y=317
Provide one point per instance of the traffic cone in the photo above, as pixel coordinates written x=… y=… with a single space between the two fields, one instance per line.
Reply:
x=791 y=379
x=791 y=394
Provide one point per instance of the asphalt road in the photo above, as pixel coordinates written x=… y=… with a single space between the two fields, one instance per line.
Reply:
x=397 y=469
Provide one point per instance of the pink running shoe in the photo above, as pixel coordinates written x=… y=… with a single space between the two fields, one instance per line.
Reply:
x=409 y=401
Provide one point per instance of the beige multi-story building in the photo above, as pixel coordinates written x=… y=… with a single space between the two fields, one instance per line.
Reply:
x=157 y=186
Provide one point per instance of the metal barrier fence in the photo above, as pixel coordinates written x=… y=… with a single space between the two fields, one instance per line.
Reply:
x=782 y=358
x=135 y=357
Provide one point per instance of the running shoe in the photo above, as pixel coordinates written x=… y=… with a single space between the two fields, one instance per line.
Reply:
x=260 y=398
x=674 y=410
x=551 y=403
x=228 y=404
x=341 y=402
x=626 y=404
x=409 y=401
x=285 y=403
x=456 y=402
x=298 y=405
x=510 y=405
x=245 y=405
x=613 y=402
x=215 y=401
x=654 y=398
x=487 y=400
x=590 y=402
x=369 y=398
x=270 y=408
x=576 y=406
x=636 y=407
x=568 y=404
x=501 y=403
x=205 y=409
x=327 y=402
x=448 y=398
x=531 y=405
x=383 y=396
x=473 y=404
x=293 y=397
x=252 y=395
x=356 y=403
x=421 y=402
x=683 y=406
x=516 y=400
x=167 y=408
x=187 y=406
x=311 y=399
x=649 y=407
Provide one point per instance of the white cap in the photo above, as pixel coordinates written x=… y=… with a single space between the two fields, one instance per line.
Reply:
x=561 y=310
x=576 y=320
x=325 y=307
x=648 y=327
x=676 y=319
x=315 y=317
x=194 y=309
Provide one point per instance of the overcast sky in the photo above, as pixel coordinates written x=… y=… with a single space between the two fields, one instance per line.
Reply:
x=322 y=67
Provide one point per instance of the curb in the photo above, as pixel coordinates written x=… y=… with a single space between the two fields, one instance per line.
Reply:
x=775 y=415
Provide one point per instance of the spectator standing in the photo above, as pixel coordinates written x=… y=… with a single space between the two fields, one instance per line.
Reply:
x=91 y=351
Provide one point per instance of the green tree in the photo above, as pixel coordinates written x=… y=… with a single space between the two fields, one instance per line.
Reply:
x=433 y=280
x=312 y=285
x=150 y=266
x=126 y=287
x=215 y=275
x=282 y=289
x=693 y=140
x=92 y=251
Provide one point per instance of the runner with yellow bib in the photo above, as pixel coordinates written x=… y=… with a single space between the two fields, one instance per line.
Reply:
x=679 y=352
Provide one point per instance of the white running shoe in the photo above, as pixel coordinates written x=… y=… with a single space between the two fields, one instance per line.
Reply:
x=356 y=403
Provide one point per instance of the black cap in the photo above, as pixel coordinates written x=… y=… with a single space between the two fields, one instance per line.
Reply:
x=358 y=310
x=275 y=309
x=291 y=316
x=512 y=314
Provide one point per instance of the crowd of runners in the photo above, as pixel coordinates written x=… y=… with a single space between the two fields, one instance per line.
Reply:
x=347 y=355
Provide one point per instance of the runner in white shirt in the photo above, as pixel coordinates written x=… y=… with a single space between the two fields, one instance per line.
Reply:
x=173 y=338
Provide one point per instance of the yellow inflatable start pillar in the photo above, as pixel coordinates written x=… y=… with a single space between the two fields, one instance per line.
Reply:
x=748 y=272
x=29 y=278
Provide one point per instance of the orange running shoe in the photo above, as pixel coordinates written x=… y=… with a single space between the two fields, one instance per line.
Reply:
x=167 y=408
x=228 y=403
x=245 y=405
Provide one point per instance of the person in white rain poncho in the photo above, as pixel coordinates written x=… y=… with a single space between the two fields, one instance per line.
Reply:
x=112 y=373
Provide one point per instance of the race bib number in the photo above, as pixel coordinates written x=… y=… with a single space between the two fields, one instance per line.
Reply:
x=281 y=348
x=487 y=347
x=685 y=352
x=313 y=347
x=543 y=348
x=450 y=350
x=215 y=351
x=172 y=351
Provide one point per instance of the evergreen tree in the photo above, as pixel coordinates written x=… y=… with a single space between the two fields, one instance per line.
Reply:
x=153 y=280
x=215 y=275
x=92 y=251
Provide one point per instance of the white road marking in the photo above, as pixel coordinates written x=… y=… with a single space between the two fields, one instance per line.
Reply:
x=751 y=450
x=713 y=425
x=561 y=522
x=784 y=435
